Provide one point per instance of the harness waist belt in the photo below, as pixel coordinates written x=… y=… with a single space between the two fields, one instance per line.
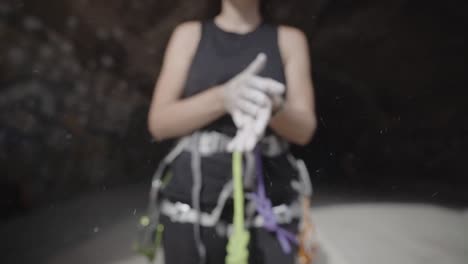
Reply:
x=213 y=142
x=183 y=213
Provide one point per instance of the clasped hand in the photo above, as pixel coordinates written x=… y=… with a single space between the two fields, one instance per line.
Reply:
x=250 y=100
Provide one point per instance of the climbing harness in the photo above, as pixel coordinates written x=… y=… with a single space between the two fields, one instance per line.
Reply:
x=252 y=209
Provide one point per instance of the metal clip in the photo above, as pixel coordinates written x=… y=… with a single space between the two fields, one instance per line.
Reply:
x=283 y=214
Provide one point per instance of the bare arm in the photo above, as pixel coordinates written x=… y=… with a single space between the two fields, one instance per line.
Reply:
x=169 y=116
x=296 y=122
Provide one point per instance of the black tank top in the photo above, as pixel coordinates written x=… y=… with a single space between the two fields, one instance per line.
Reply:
x=220 y=56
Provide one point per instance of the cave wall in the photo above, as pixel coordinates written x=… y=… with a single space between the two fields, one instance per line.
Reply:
x=76 y=79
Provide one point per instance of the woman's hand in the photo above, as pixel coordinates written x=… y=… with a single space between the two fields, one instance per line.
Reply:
x=239 y=97
x=251 y=130
x=272 y=88
x=250 y=100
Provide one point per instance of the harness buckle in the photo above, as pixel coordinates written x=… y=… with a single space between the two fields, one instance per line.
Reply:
x=211 y=143
x=180 y=212
x=283 y=214
x=272 y=146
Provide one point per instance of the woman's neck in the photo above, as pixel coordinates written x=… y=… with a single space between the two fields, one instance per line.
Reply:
x=240 y=16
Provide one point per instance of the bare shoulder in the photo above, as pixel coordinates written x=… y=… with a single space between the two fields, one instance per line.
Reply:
x=292 y=33
x=186 y=36
x=188 y=28
x=292 y=41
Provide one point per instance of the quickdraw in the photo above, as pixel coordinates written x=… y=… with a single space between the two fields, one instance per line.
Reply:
x=307 y=244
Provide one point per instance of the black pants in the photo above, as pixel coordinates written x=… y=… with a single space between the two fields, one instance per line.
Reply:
x=179 y=245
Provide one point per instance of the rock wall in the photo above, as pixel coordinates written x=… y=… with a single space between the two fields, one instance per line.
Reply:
x=76 y=78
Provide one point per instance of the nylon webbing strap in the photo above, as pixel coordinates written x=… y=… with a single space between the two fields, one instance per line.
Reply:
x=196 y=192
x=237 y=252
x=264 y=208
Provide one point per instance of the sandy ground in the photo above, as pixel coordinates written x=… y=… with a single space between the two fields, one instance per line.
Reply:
x=100 y=228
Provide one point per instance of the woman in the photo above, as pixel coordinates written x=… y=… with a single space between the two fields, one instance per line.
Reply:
x=199 y=93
